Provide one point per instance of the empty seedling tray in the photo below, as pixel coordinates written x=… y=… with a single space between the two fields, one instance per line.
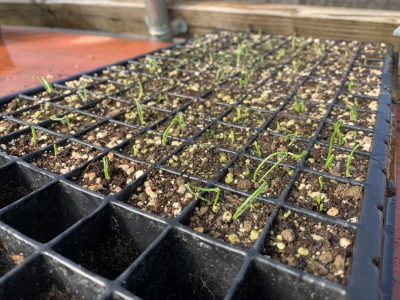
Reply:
x=235 y=165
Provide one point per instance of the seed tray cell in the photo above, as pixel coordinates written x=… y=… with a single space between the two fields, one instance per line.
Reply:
x=121 y=236
x=216 y=151
x=49 y=212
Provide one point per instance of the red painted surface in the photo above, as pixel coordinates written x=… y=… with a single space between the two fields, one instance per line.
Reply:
x=27 y=54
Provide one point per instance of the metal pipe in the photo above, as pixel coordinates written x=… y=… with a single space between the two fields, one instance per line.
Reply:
x=157 y=20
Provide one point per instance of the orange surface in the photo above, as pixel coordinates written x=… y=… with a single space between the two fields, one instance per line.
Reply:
x=27 y=54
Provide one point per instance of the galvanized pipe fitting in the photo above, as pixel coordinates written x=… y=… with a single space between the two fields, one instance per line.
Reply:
x=158 y=22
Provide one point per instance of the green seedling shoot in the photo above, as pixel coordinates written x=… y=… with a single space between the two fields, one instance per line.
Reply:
x=47 y=85
x=244 y=78
x=34 y=135
x=66 y=120
x=318 y=89
x=106 y=168
x=196 y=191
x=351 y=86
x=239 y=53
x=178 y=119
x=292 y=137
x=220 y=73
x=152 y=65
x=238 y=113
x=164 y=97
x=211 y=58
x=353 y=111
x=281 y=54
x=135 y=150
x=279 y=75
x=335 y=135
x=353 y=114
x=257 y=148
x=319 y=203
x=281 y=156
x=139 y=111
x=82 y=92
x=296 y=64
x=350 y=159
x=232 y=136
x=139 y=108
x=141 y=91
x=299 y=106
x=55 y=149
x=321 y=183
x=249 y=201
x=269 y=45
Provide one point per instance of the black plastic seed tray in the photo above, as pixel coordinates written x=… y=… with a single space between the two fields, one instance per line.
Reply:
x=130 y=181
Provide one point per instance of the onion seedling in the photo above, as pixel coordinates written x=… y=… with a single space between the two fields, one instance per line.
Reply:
x=238 y=113
x=318 y=89
x=321 y=183
x=249 y=201
x=211 y=58
x=350 y=159
x=319 y=203
x=152 y=65
x=55 y=149
x=318 y=199
x=47 y=85
x=353 y=114
x=281 y=157
x=106 y=168
x=258 y=149
x=135 y=150
x=215 y=204
x=353 y=111
x=351 y=86
x=335 y=135
x=292 y=137
x=82 y=92
x=34 y=135
x=66 y=120
x=178 y=119
x=139 y=111
x=296 y=64
x=141 y=91
x=232 y=136
x=164 y=97
x=299 y=106
x=244 y=78
x=220 y=73
x=269 y=45
x=281 y=54
x=239 y=53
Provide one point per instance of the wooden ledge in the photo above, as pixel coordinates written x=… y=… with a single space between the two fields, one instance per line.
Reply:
x=128 y=17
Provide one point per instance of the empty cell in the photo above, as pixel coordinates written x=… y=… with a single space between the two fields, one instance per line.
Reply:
x=278 y=284
x=13 y=252
x=48 y=213
x=110 y=241
x=47 y=278
x=184 y=267
x=17 y=181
